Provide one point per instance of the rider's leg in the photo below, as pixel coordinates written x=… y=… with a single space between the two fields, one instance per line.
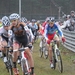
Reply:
x=57 y=39
x=50 y=53
x=30 y=60
x=15 y=56
x=2 y=44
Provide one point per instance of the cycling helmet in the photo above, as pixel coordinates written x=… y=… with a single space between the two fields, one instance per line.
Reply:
x=72 y=11
x=5 y=21
x=68 y=16
x=52 y=20
x=14 y=16
x=38 y=22
x=33 y=20
x=47 y=19
x=23 y=19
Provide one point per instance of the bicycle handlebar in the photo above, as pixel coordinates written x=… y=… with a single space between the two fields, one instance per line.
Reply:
x=20 y=49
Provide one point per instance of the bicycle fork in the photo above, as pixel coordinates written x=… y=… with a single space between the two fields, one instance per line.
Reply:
x=25 y=61
x=56 y=52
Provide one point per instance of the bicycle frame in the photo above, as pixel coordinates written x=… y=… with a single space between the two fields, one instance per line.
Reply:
x=25 y=59
x=9 y=60
x=43 y=49
x=57 y=56
x=24 y=62
x=55 y=49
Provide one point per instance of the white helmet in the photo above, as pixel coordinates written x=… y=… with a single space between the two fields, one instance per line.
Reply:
x=47 y=19
x=14 y=16
x=23 y=19
x=33 y=20
x=5 y=21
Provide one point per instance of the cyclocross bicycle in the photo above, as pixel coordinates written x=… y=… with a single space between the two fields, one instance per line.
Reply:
x=56 y=56
x=24 y=62
x=44 y=49
x=9 y=60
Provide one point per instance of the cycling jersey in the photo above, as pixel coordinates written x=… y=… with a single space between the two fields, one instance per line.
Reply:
x=4 y=33
x=44 y=24
x=19 y=30
x=20 y=35
x=52 y=30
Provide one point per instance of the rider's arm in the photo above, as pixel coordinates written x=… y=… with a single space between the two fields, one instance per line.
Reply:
x=1 y=39
x=59 y=31
x=45 y=33
x=64 y=25
x=28 y=30
x=10 y=34
x=25 y=26
x=1 y=33
x=32 y=36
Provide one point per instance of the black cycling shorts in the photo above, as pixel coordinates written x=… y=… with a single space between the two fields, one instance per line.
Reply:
x=22 y=40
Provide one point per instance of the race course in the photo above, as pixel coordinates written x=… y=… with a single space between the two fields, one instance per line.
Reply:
x=42 y=65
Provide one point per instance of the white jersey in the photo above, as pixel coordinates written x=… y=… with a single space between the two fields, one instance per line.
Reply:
x=3 y=31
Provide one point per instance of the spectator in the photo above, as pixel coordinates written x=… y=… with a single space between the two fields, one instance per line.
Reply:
x=72 y=14
x=69 y=24
x=66 y=23
x=72 y=25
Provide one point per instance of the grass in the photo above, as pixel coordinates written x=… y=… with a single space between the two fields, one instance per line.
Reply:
x=42 y=66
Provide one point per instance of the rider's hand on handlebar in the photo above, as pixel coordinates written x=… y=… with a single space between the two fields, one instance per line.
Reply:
x=48 y=41
x=63 y=39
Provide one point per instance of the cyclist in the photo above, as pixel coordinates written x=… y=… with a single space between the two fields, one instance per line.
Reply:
x=33 y=27
x=38 y=23
x=50 y=34
x=20 y=37
x=4 y=35
x=42 y=30
x=46 y=21
x=29 y=33
x=0 y=23
x=44 y=25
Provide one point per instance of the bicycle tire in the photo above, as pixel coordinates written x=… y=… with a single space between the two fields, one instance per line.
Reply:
x=45 y=53
x=10 y=71
x=10 y=67
x=41 y=52
x=60 y=64
x=9 y=63
x=53 y=59
x=24 y=68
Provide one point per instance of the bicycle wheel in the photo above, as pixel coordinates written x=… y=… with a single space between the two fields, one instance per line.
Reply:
x=41 y=52
x=9 y=63
x=24 y=68
x=10 y=71
x=53 y=59
x=45 y=53
x=59 y=61
x=9 y=67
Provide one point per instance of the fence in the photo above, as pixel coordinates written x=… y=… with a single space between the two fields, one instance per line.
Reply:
x=31 y=9
x=70 y=40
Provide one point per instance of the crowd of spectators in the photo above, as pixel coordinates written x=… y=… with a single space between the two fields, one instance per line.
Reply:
x=69 y=23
